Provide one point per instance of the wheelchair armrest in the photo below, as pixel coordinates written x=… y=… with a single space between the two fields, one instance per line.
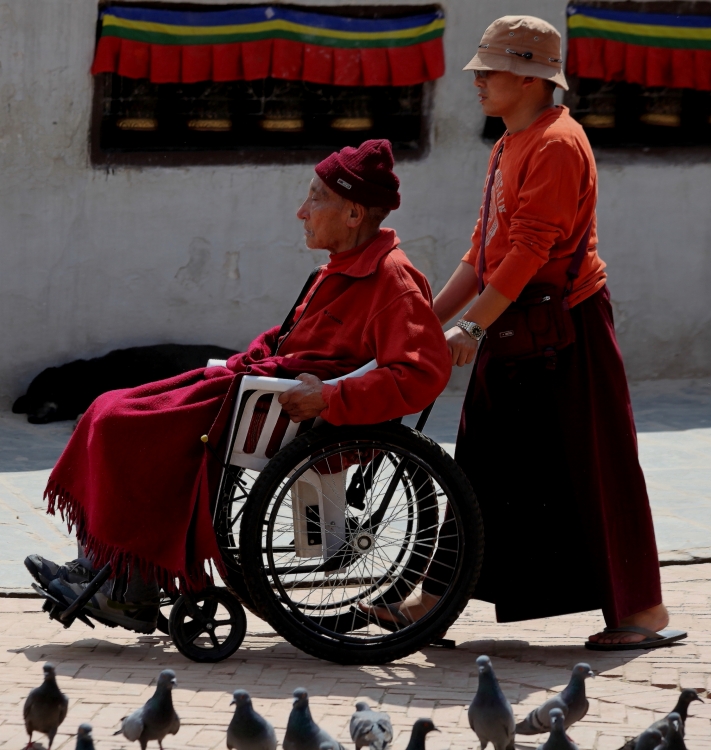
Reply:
x=372 y=365
x=268 y=381
x=254 y=387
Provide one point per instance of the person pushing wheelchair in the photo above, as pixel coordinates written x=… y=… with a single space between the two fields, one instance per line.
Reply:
x=135 y=479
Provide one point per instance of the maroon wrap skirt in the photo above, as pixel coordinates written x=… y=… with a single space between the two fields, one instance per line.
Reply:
x=552 y=456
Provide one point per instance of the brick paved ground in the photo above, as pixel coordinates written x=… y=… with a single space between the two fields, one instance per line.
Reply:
x=107 y=673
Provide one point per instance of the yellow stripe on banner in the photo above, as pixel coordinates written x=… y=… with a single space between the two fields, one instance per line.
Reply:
x=579 y=21
x=275 y=25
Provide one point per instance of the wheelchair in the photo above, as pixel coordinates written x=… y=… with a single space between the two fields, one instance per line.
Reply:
x=319 y=529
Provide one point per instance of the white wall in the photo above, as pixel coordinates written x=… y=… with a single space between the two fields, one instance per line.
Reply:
x=93 y=260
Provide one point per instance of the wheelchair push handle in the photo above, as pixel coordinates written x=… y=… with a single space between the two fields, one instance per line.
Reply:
x=279 y=385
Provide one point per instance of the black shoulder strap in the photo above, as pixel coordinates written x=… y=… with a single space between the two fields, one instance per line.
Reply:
x=285 y=325
x=485 y=216
x=579 y=254
x=577 y=260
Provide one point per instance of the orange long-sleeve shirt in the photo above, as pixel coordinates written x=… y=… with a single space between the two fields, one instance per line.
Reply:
x=544 y=196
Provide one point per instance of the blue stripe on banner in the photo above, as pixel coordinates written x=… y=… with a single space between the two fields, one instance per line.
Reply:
x=650 y=19
x=262 y=13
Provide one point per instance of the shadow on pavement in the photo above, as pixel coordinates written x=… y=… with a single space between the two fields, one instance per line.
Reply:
x=515 y=661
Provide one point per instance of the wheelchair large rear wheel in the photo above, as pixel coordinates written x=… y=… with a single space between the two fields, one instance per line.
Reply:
x=345 y=521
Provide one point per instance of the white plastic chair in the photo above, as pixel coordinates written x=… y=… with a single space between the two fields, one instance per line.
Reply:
x=257 y=387
x=318 y=500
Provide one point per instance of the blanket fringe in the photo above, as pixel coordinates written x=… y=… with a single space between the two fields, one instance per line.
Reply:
x=194 y=579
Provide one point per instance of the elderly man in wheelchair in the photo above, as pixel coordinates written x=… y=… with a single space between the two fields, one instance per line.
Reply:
x=320 y=511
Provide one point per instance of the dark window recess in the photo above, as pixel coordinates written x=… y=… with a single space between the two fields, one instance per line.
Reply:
x=628 y=115
x=260 y=121
x=620 y=114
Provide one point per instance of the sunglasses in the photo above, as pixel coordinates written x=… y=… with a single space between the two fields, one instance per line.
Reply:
x=482 y=73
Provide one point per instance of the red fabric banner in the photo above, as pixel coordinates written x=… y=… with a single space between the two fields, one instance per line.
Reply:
x=271 y=58
x=647 y=66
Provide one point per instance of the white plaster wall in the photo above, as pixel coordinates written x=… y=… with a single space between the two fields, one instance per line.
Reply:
x=92 y=260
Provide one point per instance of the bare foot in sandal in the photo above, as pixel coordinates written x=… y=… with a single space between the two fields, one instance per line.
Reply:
x=654 y=619
x=404 y=613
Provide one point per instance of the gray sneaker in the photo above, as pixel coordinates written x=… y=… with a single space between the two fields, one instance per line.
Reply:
x=45 y=571
x=141 y=617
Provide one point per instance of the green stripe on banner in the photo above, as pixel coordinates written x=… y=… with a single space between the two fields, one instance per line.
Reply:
x=640 y=41
x=152 y=37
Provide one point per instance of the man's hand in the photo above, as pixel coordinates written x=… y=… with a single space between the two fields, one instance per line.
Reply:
x=461 y=345
x=304 y=401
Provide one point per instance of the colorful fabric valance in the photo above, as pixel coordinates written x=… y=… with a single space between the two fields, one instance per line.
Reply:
x=651 y=49
x=172 y=46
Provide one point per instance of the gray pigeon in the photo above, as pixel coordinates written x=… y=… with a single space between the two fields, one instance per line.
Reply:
x=686 y=697
x=370 y=728
x=420 y=729
x=674 y=739
x=248 y=730
x=155 y=719
x=571 y=701
x=302 y=732
x=84 y=739
x=558 y=739
x=650 y=739
x=46 y=707
x=490 y=714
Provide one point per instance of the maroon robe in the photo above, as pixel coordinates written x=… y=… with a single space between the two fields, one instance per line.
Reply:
x=552 y=456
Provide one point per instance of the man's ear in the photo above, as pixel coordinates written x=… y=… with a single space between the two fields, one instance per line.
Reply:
x=356 y=215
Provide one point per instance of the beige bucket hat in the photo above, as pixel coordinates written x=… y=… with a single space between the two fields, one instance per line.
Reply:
x=523 y=45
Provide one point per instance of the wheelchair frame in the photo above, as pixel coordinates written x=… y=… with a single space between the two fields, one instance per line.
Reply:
x=251 y=390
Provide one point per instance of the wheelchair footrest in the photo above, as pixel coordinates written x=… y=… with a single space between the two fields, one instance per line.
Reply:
x=56 y=608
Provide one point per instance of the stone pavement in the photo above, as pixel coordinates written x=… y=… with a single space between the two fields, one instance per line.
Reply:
x=108 y=673
x=673 y=420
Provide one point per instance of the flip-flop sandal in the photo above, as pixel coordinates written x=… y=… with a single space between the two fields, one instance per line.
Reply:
x=395 y=611
x=652 y=639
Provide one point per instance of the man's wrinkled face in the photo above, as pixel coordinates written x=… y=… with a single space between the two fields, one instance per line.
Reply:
x=499 y=91
x=325 y=216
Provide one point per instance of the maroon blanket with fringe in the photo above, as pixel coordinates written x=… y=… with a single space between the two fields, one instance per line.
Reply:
x=135 y=478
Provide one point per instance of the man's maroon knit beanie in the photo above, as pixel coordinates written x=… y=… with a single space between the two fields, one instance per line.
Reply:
x=363 y=175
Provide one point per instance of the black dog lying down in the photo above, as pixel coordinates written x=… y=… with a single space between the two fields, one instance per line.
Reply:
x=65 y=392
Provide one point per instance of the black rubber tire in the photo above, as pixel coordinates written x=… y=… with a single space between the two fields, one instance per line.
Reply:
x=185 y=633
x=227 y=541
x=393 y=646
x=166 y=600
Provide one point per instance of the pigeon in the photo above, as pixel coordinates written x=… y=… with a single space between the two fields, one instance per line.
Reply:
x=157 y=718
x=558 y=739
x=370 y=728
x=46 y=707
x=490 y=714
x=686 y=697
x=650 y=739
x=674 y=738
x=420 y=729
x=572 y=702
x=84 y=739
x=248 y=730
x=302 y=732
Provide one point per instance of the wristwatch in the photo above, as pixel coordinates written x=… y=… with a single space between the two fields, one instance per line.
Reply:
x=473 y=329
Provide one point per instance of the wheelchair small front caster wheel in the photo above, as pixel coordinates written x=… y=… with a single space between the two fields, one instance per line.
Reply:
x=167 y=600
x=209 y=626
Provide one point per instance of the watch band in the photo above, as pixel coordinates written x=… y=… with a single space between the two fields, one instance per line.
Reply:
x=473 y=329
